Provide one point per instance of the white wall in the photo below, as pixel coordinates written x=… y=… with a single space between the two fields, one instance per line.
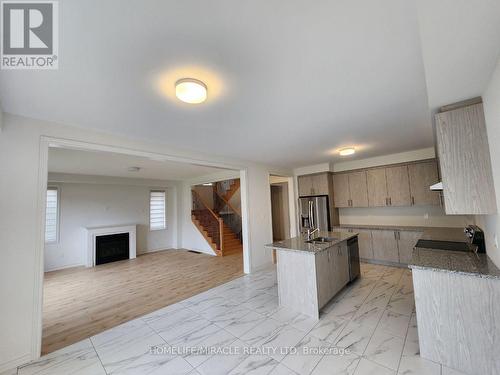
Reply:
x=21 y=220
x=99 y=202
x=491 y=223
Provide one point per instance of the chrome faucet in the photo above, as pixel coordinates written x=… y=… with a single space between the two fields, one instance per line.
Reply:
x=311 y=232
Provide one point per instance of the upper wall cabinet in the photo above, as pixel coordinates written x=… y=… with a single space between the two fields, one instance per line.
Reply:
x=316 y=184
x=464 y=159
x=377 y=188
x=423 y=175
x=397 y=185
x=349 y=189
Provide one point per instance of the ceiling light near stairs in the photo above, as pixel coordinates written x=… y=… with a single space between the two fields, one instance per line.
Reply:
x=190 y=90
x=347 y=151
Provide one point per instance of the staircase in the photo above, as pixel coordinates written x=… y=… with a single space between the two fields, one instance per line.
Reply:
x=215 y=230
x=234 y=185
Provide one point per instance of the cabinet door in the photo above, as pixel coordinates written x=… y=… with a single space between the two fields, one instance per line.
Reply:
x=320 y=184
x=464 y=157
x=305 y=185
x=385 y=245
x=365 y=243
x=358 y=189
x=377 y=187
x=398 y=186
x=422 y=176
x=406 y=242
x=341 y=195
x=343 y=265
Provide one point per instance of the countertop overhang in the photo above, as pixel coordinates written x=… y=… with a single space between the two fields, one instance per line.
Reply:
x=298 y=244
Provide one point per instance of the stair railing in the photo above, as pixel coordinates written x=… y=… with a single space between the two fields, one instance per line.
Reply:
x=200 y=205
x=229 y=214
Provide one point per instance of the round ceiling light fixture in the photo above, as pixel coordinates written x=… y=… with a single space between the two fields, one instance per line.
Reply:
x=190 y=90
x=133 y=169
x=347 y=151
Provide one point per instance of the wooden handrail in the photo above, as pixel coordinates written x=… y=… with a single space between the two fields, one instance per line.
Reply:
x=206 y=205
x=227 y=203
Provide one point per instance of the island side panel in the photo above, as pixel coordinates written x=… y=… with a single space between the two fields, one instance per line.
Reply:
x=458 y=320
x=297 y=288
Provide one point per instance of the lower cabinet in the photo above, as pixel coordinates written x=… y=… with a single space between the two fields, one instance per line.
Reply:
x=385 y=245
x=332 y=272
x=365 y=243
x=395 y=246
x=406 y=243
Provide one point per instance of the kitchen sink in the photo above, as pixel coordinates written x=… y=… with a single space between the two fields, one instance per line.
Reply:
x=322 y=240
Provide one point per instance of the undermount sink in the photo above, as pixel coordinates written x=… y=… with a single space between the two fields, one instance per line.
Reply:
x=322 y=240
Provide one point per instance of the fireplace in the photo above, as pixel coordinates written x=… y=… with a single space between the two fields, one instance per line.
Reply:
x=111 y=248
x=109 y=244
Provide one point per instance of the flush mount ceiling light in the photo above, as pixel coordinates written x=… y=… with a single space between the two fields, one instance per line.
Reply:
x=347 y=151
x=133 y=169
x=191 y=90
x=207 y=184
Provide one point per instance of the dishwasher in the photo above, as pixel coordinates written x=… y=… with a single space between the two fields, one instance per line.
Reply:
x=353 y=250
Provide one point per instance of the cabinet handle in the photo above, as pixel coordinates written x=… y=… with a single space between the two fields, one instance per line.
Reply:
x=390 y=201
x=412 y=200
x=395 y=235
x=386 y=201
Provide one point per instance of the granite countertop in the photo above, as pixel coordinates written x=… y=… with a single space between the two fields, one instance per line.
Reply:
x=299 y=244
x=460 y=262
x=465 y=263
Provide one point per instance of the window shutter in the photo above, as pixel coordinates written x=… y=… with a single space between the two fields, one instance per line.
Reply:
x=157 y=210
x=51 y=215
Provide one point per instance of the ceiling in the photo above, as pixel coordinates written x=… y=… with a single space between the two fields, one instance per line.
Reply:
x=116 y=165
x=290 y=82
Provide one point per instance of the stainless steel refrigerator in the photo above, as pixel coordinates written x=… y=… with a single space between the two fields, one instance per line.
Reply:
x=314 y=213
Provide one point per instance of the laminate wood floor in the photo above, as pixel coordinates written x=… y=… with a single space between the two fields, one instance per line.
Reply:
x=81 y=302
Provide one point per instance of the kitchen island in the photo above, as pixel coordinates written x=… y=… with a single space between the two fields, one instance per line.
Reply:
x=311 y=273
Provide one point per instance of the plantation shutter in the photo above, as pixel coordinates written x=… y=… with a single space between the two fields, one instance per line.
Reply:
x=51 y=213
x=157 y=210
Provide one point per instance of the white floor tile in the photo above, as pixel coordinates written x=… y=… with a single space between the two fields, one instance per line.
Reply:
x=367 y=367
x=309 y=352
x=337 y=365
x=385 y=349
x=415 y=365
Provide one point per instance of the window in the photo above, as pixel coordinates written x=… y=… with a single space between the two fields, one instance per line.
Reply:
x=157 y=210
x=52 y=215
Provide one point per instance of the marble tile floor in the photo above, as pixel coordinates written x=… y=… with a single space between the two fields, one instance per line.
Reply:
x=369 y=328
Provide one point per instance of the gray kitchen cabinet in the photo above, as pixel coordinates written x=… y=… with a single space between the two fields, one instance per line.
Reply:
x=365 y=243
x=342 y=266
x=398 y=186
x=350 y=189
x=464 y=158
x=305 y=185
x=385 y=245
x=341 y=194
x=377 y=187
x=422 y=176
x=316 y=184
x=358 y=189
x=406 y=242
x=320 y=184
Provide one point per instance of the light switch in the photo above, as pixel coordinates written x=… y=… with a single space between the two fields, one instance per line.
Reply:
x=426 y=216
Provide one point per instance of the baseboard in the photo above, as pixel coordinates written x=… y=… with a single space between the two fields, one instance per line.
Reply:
x=64 y=267
x=12 y=365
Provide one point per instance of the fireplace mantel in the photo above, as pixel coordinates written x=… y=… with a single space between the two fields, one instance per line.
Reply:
x=93 y=232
